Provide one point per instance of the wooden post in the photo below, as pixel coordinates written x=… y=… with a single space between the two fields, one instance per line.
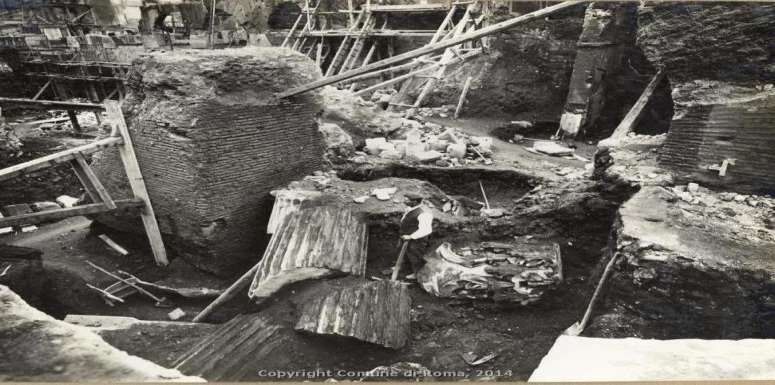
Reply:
x=319 y=53
x=212 y=25
x=463 y=96
x=136 y=181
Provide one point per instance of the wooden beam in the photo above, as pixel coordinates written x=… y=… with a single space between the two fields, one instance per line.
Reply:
x=136 y=182
x=431 y=48
x=399 y=68
x=54 y=215
x=633 y=116
x=397 y=79
x=51 y=104
x=74 y=120
x=58 y=157
x=90 y=177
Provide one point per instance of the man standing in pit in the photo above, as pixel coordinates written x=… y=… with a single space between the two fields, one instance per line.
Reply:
x=416 y=223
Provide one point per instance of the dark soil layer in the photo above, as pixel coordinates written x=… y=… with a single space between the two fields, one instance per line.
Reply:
x=43 y=185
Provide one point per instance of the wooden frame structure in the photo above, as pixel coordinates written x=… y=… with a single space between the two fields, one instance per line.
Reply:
x=362 y=30
x=459 y=40
x=429 y=49
x=102 y=201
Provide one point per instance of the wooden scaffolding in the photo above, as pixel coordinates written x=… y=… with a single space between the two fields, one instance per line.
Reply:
x=101 y=201
x=368 y=25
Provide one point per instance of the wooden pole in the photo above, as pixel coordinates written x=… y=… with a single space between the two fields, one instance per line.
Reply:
x=293 y=29
x=633 y=116
x=463 y=96
x=417 y=72
x=235 y=287
x=431 y=48
x=136 y=182
x=399 y=260
x=45 y=86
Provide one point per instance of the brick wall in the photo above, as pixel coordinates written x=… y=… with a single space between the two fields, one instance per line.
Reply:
x=708 y=134
x=212 y=141
x=210 y=190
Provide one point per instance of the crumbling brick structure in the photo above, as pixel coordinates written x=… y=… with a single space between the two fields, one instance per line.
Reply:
x=212 y=141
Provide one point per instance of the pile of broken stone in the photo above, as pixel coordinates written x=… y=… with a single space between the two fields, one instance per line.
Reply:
x=431 y=143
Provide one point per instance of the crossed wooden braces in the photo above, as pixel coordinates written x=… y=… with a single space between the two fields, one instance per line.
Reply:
x=102 y=201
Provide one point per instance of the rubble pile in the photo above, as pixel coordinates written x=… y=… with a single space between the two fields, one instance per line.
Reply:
x=503 y=272
x=430 y=143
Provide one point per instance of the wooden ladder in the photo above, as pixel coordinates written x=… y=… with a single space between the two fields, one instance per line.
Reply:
x=338 y=59
x=411 y=82
x=102 y=202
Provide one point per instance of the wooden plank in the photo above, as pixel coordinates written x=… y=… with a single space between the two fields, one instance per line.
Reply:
x=91 y=191
x=51 y=104
x=633 y=116
x=54 y=215
x=58 y=158
x=92 y=179
x=136 y=182
x=431 y=48
x=463 y=93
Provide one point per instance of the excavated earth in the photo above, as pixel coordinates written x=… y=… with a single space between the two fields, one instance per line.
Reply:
x=574 y=212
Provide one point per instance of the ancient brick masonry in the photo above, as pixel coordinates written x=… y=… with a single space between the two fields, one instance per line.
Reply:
x=212 y=141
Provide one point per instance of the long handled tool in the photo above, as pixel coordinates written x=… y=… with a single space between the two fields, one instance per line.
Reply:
x=578 y=327
x=400 y=260
x=228 y=294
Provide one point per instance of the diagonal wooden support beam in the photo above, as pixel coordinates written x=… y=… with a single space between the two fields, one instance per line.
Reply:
x=91 y=183
x=431 y=48
x=45 y=86
x=136 y=181
x=58 y=157
x=633 y=116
